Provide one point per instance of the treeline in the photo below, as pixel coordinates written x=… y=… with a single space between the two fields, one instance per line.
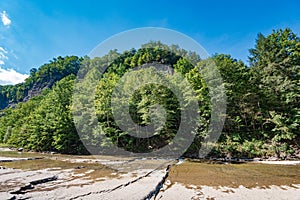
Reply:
x=262 y=117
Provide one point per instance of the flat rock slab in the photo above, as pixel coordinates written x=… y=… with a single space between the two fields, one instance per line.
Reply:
x=133 y=179
x=119 y=178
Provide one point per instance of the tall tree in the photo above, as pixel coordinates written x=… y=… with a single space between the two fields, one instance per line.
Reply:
x=275 y=66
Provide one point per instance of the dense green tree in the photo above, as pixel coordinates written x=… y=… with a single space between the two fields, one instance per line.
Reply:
x=275 y=65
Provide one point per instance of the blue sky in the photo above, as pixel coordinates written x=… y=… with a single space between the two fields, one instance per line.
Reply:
x=33 y=32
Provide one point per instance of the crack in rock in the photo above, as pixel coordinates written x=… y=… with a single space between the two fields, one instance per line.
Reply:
x=156 y=191
x=15 y=198
x=31 y=184
x=129 y=183
x=115 y=188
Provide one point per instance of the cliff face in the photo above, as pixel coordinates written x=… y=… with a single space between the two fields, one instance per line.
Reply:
x=7 y=102
x=35 y=91
x=37 y=88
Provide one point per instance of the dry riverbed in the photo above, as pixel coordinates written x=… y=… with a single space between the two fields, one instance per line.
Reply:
x=45 y=176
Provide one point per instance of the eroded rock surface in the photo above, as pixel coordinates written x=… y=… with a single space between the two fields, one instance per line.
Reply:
x=47 y=176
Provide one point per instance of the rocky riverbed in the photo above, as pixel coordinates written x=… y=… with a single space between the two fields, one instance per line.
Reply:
x=46 y=176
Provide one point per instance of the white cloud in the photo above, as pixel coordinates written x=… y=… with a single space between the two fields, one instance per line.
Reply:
x=5 y=19
x=11 y=77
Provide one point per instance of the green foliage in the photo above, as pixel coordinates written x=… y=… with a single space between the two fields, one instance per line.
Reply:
x=263 y=105
x=44 y=123
x=262 y=119
x=144 y=101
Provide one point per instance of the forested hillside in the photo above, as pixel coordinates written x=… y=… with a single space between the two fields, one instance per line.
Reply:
x=262 y=119
x=39 y=79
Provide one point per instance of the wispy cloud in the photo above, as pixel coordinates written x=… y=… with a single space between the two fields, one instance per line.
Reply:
x=11 y=77
x=3 y=56
x=5 y=19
